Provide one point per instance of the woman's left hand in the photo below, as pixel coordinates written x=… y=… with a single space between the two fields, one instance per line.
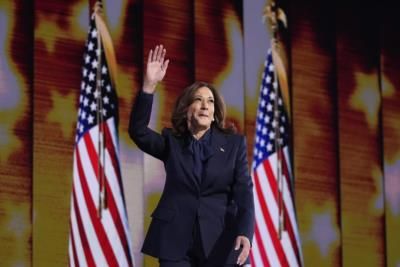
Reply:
x=244 y=242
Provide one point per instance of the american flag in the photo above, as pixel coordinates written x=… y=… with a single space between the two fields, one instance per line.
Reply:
x=99 y=231
x=276 y=238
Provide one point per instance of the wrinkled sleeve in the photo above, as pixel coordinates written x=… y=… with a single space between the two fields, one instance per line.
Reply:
x=145 y=138
x=243 y=192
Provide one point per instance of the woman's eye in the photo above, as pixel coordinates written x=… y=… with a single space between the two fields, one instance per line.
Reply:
x=211 y=100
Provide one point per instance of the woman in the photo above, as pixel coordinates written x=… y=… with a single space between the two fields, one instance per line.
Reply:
x=205 y=216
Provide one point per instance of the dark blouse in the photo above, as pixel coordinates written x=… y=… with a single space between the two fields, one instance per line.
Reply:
x=201 y=150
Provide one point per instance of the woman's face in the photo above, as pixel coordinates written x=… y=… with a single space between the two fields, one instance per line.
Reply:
x=200 y=113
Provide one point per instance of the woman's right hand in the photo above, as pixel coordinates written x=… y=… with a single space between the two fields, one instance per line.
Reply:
x=156 y=68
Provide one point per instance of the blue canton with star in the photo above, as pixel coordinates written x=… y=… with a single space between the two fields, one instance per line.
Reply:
x=90 y=97
x=272 y=122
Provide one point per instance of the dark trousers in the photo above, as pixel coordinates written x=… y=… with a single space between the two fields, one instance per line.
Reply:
x=195 y=255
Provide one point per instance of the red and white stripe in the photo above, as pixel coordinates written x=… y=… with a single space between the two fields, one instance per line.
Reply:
x=268 y=249
x=95 y=240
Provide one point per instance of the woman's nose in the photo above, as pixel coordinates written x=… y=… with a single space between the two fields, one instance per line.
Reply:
x=204 y=105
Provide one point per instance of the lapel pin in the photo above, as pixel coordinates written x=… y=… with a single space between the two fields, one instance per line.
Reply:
x=222 y=150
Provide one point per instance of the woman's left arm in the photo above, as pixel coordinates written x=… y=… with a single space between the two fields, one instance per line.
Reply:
x=243 y=197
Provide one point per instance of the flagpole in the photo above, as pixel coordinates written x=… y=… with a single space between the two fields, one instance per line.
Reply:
x=271 y=13
x=278 y=149
x=100 y=118
x=277 y=131
x=278 y=145
x=105 y=47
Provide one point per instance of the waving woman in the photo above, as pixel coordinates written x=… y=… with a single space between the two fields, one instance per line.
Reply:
x=205 y=216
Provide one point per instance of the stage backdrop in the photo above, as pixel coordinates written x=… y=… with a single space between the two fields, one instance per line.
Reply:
x=344 y=65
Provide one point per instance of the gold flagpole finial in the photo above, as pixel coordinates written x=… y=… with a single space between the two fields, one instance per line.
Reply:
x=274 y=14
x=98 y=7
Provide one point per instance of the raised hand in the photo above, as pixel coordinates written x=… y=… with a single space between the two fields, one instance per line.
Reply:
x=156 y=68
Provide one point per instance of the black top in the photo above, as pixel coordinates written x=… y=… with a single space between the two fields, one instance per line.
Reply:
x=201 y=150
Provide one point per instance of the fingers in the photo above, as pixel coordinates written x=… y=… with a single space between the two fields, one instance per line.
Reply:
x=158 y=54
x=243 y=256
x=164 y=66
x=163 y=51
x=245 y=243
x=238 y=242
x=149 y=59
x=153 y=54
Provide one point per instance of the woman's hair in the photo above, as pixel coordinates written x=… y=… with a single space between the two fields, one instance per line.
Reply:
x=179 y=119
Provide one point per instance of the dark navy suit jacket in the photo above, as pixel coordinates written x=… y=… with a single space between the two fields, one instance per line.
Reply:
x=222 y=201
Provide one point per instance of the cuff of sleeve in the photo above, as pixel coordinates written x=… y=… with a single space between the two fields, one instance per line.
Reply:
x=145 y=95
